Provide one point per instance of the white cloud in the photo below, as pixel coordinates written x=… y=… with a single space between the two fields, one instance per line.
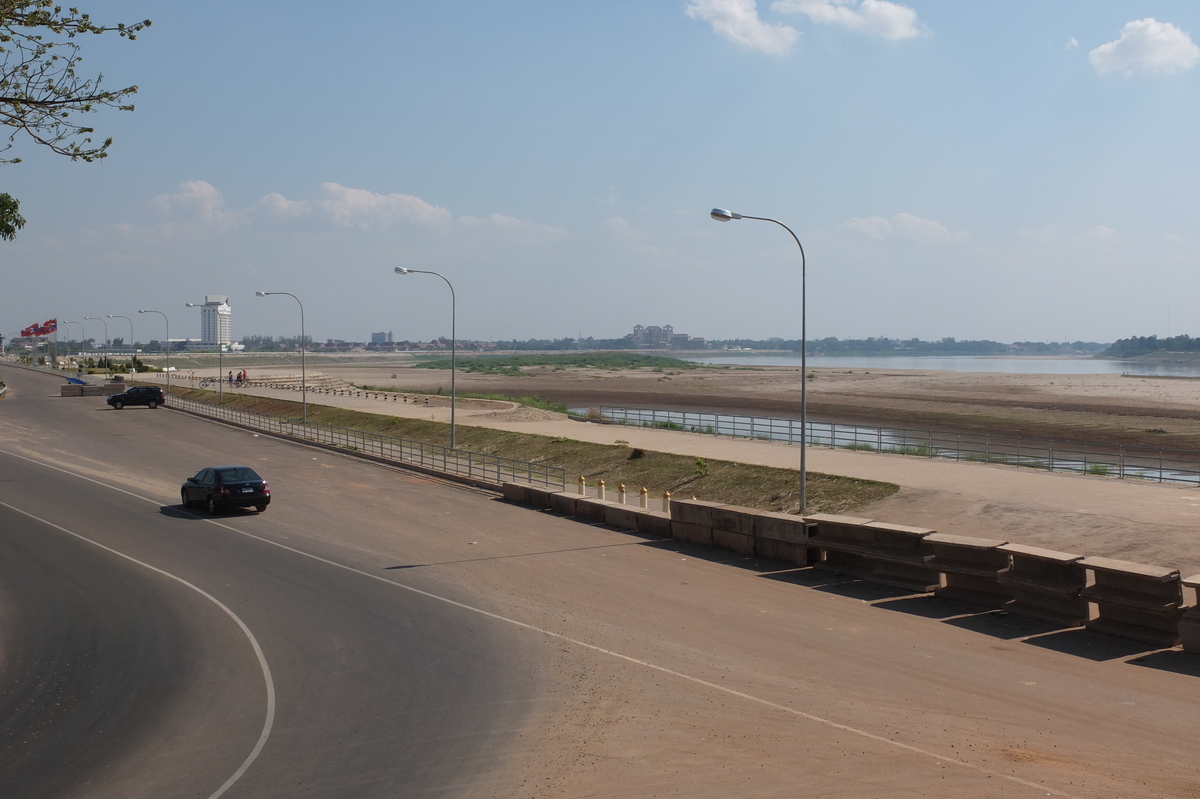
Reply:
x=1052 y=234
x=278 y=206
x=738 y=21
x=908 y=226
x=196 y=198
x=513 y=227
x=1146 y=47
x=363 y=209
x=875 y=17
x=1102 y=233
x=1071 y=44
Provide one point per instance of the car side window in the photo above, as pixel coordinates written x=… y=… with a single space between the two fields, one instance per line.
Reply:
x=199 y=478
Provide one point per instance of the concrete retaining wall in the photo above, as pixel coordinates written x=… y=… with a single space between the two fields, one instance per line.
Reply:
x=1144 y=603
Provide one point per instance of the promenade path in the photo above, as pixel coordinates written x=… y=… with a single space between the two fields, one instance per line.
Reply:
x=1144 y=522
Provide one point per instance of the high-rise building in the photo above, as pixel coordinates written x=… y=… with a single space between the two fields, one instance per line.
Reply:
x=215 y=327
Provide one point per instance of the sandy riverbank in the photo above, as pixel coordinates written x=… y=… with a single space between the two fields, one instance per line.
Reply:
x=1153 y=412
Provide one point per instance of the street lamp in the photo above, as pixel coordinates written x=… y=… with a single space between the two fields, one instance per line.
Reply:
x=220 y=358
x=303 y=385
x=168 y=323
x=82 y=333
x=101 y=321
x=722 y=215
x=400 y=270
x=130 y=321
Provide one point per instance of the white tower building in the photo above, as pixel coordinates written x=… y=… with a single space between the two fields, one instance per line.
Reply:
x=215 y=319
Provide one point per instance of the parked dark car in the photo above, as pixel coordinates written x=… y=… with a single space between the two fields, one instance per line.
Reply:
x=222 y=487
x=150 y=396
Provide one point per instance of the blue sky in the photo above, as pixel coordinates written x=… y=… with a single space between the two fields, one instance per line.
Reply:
x=1013 y=171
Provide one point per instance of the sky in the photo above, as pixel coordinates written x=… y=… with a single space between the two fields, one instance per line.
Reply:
x=1011 y=171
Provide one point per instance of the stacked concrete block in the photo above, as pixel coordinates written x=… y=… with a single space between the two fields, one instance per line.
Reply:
x=592 y=508
x=782 y=536
x=691 y=521
x=843 y=542
x=900 y=557
x=515 y=492
x=654 y=522
x=1143 y=603
x=564 y=502
x=70 y=390
x=618 y=515
x=972 y=568
x=1046 y=585
x=733 y=528
x=1189 y=623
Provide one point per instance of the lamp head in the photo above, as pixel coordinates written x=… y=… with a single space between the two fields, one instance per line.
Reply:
x=140 y=310
x=400 y=270
x=191 y=304
x=110 y=316
x=721 y=215
x=260 y=294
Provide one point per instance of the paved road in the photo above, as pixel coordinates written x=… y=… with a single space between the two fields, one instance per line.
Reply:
x=582 y=661
x=120 y=680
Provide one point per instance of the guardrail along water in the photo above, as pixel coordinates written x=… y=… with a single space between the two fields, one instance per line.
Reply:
x=1109 y=460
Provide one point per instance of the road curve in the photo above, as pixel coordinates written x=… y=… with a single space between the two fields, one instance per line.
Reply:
x=119 y=681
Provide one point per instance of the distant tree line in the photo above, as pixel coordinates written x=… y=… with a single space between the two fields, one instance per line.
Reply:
x=1144 y=345
x=915 y=346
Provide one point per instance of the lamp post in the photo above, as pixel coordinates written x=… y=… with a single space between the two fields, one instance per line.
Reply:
x=303 y=384
x=130 y=321
x=168 y=323
x=82 y=332
x=722 y=215
x=220 y=358
x=400 y=270
x=101 y=321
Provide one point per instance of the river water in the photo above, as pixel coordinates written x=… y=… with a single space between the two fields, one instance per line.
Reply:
x=959 y=363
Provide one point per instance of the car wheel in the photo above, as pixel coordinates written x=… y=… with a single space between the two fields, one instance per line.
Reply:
x=151 y=404
x=183 y=495
x=261 y=508
x=212 y=506
x=118 y=405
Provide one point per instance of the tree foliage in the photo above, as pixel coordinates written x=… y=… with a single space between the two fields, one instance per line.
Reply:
x=10 y=219
x=40 y=88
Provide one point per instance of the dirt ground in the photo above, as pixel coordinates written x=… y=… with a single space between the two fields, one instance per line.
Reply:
x=1154 y=412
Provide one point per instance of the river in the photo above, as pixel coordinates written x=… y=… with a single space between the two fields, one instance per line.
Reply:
x=958 y=363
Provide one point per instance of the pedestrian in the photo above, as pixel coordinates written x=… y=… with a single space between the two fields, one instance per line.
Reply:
x=231 y=377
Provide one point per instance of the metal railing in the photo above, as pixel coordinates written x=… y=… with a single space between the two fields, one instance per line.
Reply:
x=1111 y=460
x=434 y=457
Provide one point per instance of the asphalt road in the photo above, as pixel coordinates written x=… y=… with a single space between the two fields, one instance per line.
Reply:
x=428 y=640
x=118 y=680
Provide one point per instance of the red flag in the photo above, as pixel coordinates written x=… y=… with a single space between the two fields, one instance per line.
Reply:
x=28 y=332
x=51 y=326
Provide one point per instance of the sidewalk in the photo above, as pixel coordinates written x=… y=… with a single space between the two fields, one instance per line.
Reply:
x=1151 y=523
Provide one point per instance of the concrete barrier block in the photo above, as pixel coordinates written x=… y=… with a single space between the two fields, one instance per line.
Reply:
x=563 y=502
x=591 y=508
x=622 y=516
x=1046 y=585
x=514 y=492
x=734 y=519
x=538 y=496
x=733 y=541
x=785 y=527
x=693 y=511
x=654 y=522
x=901 y=557
x=691 y=533
x=845 y=528
x=795 y=554
x=70 y=390
x=1189 y=623
x=842 y=541
x=971 y=568
x=1143 y=603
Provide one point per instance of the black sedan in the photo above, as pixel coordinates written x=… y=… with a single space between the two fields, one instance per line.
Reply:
x=222 y=487
x=150 y=396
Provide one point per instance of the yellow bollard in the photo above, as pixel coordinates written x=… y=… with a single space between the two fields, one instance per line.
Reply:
x=645 y=498
x=600 y=490
x=582 y=486
x=666 y=502
x=621 y=494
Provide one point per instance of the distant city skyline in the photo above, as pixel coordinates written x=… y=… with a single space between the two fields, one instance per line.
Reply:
x=1015 y=171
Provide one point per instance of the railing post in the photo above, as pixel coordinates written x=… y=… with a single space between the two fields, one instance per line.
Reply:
x=645 y=497
x=621 y=493
x=666 y=506
x=600 y=490
x=582 y=491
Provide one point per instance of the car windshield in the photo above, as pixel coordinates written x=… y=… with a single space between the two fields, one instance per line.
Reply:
x=237 y=474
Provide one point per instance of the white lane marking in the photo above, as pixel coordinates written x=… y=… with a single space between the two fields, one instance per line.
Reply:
x=262 y=660
x=593 y=647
